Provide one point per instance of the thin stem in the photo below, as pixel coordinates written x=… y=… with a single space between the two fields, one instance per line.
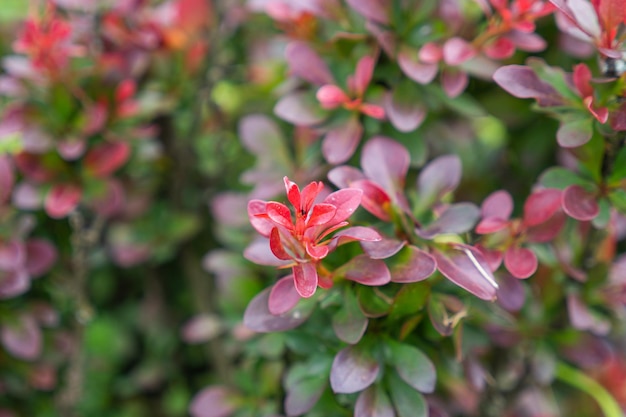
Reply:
x=577 y=379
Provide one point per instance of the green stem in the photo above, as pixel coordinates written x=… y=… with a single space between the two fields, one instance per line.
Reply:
x=577 y=379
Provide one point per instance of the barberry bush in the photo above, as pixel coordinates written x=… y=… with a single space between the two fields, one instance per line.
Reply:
x=263 y=208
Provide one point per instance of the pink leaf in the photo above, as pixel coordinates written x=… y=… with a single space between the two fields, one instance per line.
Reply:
x=298 y=109
x=325 y=212
x=305 y=63
x=7 y=179
x=201 y=329
x=386 y=162
x=276 y=246
x=430 y=53
x=363 y=74
x=417 y=266
x=456 y=51
x=330 y=96
x=12 y=255
x=520 y=262
x=522 y=82
x=405 y=117
x=40 y=256
x=574 y=132
x=382 y=249
x=467 y=268
x=343 y=176
x=582 y=318
x=260 y=253
x=441 y=176
x=340 y=143
x=375 y=10
x=257 y=213
x=22 y=339
x=498 y=204
x=353 y=370
x=541 y=205
x=491 y=225
x=104 y=159
x=366 y=271
x=62 y=199
x=458 y=218
x=501 y=48
x=13 y=283
x=212 y=401
x=548 y=230
x=305 y=278
x=283 y=296
x=257 y=316
x=579 y=203
x=374 y=199
x=413 y=68
x=345 y=201
x=454 y=82
x=356 y=233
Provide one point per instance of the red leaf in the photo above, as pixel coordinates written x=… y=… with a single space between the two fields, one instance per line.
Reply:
x=279 y=214
x=541 y=205
x=374 y=199
x=276 y=246
x=62 y=199
x=305 y=278
x=366 y=271
x=363 y=74
x=385 y=162
x=103 y=159
x=330 y=96
x=579 y=203
x=520 y=262
x=324 y=213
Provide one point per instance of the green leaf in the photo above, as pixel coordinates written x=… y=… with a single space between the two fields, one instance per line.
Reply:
x=561 y=178
x=406 y=401
x=618 y=199
x=603 y=217
x=619 y=168
x=409 y=300
x=371 y=303
x=349 y=323
x=412 y=366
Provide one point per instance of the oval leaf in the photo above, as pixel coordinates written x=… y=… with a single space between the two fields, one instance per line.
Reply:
x=353 y=370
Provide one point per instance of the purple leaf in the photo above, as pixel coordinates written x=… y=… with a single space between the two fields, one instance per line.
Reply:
x=373 y=402
x=410 y=64
x=299 y=109
x=12 y=255
x=583 y=318
x=385 y=162
x=467 y=268
x=575 y=132
x=213 y=401
x=521 y=262
x=13 y=283
x=257 y=316
x=382 y=249
x=375 y=199
x=352 y=234
x=541 y=206
x=404 y=115
x=303 y=394
x=414 y=265
x=522 y=82
x=579 y=203
x=349 y=323
x=258 y=133
x=375 y=10
x=441 y=176
x=22 y=339
x=458 y=218
x=305 y=63
x=340 y=143
x=283 y=296
x=40 y=256
x=511 y=294
x=353 y=370
x=7 y=178
x=366 y=271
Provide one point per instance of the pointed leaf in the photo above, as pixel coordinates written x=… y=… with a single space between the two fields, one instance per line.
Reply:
x=305 y=63
x=442 y=175
x=467 y=268
x=522 y=82
x=363 y=74
x=353 y=370
x=382 y=249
